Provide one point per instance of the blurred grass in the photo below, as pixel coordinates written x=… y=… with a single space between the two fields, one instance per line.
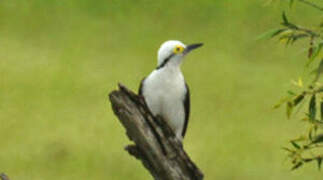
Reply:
x=60 y=59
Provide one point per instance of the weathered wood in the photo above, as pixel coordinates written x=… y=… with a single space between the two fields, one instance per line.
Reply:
x=3 y=176
x=155 y=143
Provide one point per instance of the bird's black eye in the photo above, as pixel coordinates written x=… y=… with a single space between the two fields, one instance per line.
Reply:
x=178 y=49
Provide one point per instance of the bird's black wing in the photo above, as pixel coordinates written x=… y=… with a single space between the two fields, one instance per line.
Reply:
x=186 y=108
x=141 y=86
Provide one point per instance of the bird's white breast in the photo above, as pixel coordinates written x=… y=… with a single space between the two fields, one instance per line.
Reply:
x=164 y=91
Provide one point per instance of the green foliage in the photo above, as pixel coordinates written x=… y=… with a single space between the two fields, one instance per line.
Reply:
x=307 y=147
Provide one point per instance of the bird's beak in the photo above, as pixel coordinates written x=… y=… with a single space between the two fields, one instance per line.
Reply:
x=191 y=47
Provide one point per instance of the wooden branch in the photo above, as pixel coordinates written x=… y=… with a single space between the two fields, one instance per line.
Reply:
x=156 y=145
x=3 y=176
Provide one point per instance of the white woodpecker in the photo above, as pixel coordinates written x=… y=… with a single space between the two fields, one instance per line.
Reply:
x=165 y=90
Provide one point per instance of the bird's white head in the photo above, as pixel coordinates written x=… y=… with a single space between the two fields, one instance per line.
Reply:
x=172 y=52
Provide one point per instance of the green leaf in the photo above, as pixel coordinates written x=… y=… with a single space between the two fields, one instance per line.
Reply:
x=281 y=101
x=306 y=147
x=277 y=32
x=315 y=52
x=290 y=36
x=318 y=139
x=319 y=162
x=289 y=150
x=295 y=145
x=308 y=160
x=310 y=132
x=291 y=92
x=318 y=71
x=298 y=99
x=286 y=37
x=297 y=165
x=321 y=110
x=271 y=33
x=289 y=109
x=320 y=90
x=312 y=108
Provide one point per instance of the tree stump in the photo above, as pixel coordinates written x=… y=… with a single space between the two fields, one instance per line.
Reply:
x=155 y=144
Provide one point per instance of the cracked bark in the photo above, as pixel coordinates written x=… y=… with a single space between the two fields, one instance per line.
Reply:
x=3 y=176
x=155 y=144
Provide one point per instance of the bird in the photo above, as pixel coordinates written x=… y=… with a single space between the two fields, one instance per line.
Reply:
x=165 y=90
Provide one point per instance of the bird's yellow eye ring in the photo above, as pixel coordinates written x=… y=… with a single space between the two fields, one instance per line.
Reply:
x=178 y=49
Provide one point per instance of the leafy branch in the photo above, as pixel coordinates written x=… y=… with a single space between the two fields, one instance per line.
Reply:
x=290 y=33
x=307 y=147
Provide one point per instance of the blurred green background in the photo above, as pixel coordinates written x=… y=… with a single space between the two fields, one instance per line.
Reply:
x=60 y=59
